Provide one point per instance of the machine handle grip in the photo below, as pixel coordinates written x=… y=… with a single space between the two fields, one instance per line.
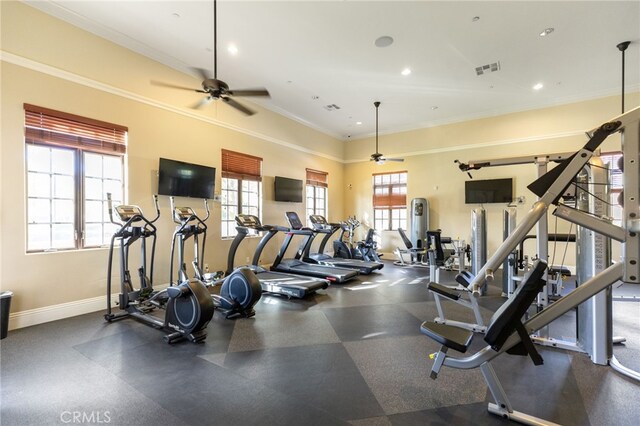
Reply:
x=172 y=204
x=110 y=208
x=206 y=208
x=488 y=275
x=155 y=203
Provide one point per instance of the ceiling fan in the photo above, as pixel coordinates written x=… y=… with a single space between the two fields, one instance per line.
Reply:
x=377 y=157
x=217 y=89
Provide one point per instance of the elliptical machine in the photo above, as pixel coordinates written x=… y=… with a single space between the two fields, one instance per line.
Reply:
x=361 y=250
x=239 y=291
x=188 y=307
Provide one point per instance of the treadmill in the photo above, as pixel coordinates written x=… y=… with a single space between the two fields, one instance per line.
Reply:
x=289 y=285
x=297 y=266
x=321 y=226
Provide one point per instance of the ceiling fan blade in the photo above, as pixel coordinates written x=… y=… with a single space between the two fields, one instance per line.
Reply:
x=238 y=106
x=202 y=73
x=395 y=159
x=204 y=101
x=249 y=92
x=172 y=86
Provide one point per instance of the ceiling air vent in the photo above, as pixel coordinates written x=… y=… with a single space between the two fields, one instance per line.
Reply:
x=331 y=107
x=484 y=69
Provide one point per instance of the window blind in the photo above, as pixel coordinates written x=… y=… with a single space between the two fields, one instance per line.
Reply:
x=387 y=193
x=47 y=126
x=237 y=165
x=317 y=178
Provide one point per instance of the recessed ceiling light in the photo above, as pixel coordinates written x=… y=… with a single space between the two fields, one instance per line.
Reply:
x=406 y=71
x=546 y=32
x=538 y=86
x=232 y=49
x=475 y=19
x=358 y=123
x=435 y=107
x=384 y=41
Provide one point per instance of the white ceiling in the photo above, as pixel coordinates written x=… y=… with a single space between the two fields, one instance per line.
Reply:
x=299 y=50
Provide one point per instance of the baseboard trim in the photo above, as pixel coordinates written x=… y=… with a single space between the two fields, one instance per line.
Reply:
x=61 y=311
x=55 y=312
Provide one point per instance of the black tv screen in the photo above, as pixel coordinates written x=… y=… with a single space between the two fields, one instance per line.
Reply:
x=182 y=179
x=488 y=191
x=289 y=190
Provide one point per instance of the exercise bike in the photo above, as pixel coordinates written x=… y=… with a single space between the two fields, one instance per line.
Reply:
x=239 y=291
x=188 y=306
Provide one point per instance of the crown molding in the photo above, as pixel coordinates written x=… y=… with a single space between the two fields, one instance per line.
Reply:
x=88 y=82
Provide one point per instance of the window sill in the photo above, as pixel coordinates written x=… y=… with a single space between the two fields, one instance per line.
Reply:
x=246 y=238
x=73 y=250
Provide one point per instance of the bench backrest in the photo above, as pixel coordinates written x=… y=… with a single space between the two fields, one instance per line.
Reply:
x=509 y=316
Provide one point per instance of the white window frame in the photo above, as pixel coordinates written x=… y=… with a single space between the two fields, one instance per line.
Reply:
x=242 y=205
x=390 y=218
x=316 y=204
x=77 y=212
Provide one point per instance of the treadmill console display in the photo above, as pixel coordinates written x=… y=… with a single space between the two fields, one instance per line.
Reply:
x=317 y=219
x=247 y=220
x=127 y=212
x=294 y=220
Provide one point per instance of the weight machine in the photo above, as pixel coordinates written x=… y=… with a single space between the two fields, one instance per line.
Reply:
x=507 y=332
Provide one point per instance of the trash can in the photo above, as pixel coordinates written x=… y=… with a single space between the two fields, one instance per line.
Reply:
x=5 y=307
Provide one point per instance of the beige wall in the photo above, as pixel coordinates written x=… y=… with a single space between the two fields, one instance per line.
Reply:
x=104 y=81
x=430 y=154
x=158 y=125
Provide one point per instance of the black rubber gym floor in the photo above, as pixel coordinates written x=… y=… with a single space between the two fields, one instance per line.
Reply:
x=352 y=354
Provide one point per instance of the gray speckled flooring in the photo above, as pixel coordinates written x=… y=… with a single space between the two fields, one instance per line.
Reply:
x=351 y=354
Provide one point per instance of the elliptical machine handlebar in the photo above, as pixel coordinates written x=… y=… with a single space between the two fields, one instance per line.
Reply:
x=132 y=216
x=206 y=208
x=184 y=216
x=181 y=220
x=155 y=203
x=172 y=204
x=110 y=209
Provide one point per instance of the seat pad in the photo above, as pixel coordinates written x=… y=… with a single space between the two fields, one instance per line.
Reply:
x=444 y=291
x=452 y=337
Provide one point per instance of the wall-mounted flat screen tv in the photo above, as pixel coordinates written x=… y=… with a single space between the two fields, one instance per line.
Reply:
x=287 y=189
x=182 y=179
x=488 y=191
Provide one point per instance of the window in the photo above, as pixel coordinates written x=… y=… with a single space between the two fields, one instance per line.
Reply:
x=71 y=163
x=241 y=188
x=316 y=193
x=390 y=201
x=610 y=160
